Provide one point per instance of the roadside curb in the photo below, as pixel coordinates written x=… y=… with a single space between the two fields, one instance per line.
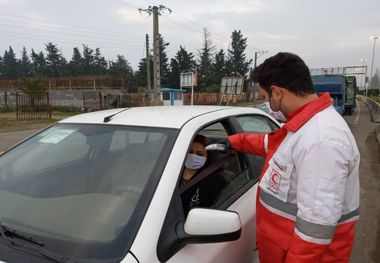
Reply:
x=377 y=133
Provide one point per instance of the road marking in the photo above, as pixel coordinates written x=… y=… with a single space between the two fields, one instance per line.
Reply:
x=357 y=117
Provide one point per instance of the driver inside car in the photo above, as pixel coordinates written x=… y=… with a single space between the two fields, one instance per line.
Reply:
x=205 y=192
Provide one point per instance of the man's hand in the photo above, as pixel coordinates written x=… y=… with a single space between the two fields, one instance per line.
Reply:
x=223 y=146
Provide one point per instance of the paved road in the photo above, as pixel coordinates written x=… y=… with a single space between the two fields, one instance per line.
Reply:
x=7 y=139
x=367 y=244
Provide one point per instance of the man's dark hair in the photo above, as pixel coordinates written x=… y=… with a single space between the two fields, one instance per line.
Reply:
x=285 y=70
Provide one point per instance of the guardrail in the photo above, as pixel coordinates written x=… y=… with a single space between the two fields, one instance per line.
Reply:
x=374 y=108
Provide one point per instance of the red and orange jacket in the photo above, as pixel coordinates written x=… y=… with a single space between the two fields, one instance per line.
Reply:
x=308 y=198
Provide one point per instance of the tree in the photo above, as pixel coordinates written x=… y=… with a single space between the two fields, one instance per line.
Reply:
x=164 y=62
x=33 y=87
x=182 y=61
x=219 y=67
x=10 y=65
x=88 y=60
x=140 y=76
x=26 y=69
x=75 y=66
x=55 y=62
x=100 y=63
x=205 y=60
x=237 y=63
x=1 y=67
x=38 y=63
x=121 y=68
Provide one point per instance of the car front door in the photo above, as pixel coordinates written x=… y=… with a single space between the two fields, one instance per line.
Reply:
x=241 y=174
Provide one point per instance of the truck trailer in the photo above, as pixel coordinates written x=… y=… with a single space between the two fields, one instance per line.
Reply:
x=335 y=85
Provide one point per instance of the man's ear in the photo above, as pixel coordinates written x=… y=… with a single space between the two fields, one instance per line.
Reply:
x=277 y=91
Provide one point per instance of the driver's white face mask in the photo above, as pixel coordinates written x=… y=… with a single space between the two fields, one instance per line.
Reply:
x=195 y=162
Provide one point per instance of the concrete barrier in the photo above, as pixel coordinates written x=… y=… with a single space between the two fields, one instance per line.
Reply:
x=374 y=108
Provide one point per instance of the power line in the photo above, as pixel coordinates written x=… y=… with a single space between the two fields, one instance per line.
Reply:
x=44 y=37
x=191 y=25
x=125 y=3
x=75 y=34
x=198 y=26
x=21 y=19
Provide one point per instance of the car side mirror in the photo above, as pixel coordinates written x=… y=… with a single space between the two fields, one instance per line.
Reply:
x=202 y=225
x=209 y=226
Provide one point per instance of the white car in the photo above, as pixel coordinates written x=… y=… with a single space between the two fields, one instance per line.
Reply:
x=105 y=187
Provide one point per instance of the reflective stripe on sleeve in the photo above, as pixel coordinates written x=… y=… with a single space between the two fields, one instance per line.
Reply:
x=312 y=239
x=266 y=143
x=314 y=230
x=352 y=216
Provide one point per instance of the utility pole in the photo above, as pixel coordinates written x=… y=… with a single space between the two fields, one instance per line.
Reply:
x=259 y=54
x=156 y=11
x=255 y=59
x=148 y=84
x=156 y=53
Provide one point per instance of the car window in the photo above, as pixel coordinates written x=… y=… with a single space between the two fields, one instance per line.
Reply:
x=215 y=133
x=223 y=184
x=51 y=152
x=255 y=124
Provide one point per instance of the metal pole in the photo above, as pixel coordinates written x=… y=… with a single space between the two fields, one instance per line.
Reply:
x=148 y=67
x=373 y=56
x=156 y=53
x=192 y=88
x=365 y=81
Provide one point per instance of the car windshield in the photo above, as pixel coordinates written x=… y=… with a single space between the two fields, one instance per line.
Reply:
x=82 y=185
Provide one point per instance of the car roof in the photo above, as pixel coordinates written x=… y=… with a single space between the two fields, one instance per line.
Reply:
x=154 y=116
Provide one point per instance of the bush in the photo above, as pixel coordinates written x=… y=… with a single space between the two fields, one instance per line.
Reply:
x=5 y=109
x=214 y=88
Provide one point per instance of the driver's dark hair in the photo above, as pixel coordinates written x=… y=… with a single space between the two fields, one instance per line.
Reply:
x=202 y=140
x=285 y=70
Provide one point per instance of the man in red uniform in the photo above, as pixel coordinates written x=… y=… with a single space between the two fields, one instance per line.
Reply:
x=308 y=197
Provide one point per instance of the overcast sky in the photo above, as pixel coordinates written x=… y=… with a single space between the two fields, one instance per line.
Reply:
x=325 y=33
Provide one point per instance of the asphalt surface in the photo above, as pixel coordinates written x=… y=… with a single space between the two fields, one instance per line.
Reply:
x=367 y=240
x=8 y=139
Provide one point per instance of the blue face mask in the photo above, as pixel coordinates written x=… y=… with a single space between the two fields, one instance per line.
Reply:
x=195 y=162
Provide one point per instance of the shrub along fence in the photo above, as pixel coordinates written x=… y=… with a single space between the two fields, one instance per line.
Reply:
x=91 y=100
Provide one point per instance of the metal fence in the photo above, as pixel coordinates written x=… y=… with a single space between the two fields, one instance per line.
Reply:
x=32 y=107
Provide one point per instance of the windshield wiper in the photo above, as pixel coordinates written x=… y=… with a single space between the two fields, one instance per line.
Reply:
x=9 y=234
